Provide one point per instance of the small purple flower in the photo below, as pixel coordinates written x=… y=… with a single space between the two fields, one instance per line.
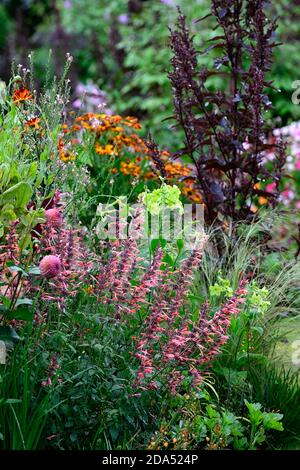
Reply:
x=90 y=98
x=77 y=104
x=170 y=3
x=123 y=19
x=67 y=4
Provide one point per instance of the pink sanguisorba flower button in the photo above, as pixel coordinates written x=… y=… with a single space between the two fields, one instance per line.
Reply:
x=50 y=266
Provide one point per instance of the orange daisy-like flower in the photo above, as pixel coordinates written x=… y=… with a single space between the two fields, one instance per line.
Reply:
x=106 y=150
x=118 y=129
x=87 y=117
x=130 y=168
x=149 y=175
x=21 y=95
x=191 y=192
x=132 y=122
x=66 y=156
x=176 y=169
x=74 y=128
x=33 y=122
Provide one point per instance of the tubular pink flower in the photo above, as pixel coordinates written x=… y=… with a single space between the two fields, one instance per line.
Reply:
x=50 y=266
x=173 y=344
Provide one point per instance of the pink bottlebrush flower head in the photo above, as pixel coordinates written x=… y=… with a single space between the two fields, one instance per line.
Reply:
x=50 y=266
x=54 y=217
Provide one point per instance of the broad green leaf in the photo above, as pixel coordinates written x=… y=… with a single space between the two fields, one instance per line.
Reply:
x=19 y=270
x=19 y=195
x=21 y=313
x=272 y=421
x=9 y=335
x=255 y=413
x=35 y=270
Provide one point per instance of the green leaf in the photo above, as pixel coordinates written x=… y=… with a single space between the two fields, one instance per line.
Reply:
x=5 y=300
x=19 y=195
x=258 y=329
x=114 y=432
x=10 y=263
x=272 y=421
x=19 y=270
x=233 y=376
x=21 y=313
x=163 y=243
x=8 y=214
x=164 y=198
x=255 y=413
x=168 y=259
x=212 y=412
x=35 y=270
x=180 y=245
x=8 y=335
x=154 y=244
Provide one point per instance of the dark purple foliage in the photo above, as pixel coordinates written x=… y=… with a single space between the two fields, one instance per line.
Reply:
x=155 y=155
x=225 y=131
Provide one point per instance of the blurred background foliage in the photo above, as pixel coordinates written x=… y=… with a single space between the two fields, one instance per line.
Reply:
x=120 y=51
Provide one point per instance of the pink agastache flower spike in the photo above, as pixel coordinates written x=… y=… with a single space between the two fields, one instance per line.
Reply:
x=122 y=267
x=54 y=218
x=187 y=347
x=113 y=283
x=150 y=280
x=53 y=367
x=11 y=250
x=50 y=266
x=165 y=309
x=213 y=332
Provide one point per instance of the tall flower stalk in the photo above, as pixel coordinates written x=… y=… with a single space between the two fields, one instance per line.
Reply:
x=171 y=352
x=225 y=131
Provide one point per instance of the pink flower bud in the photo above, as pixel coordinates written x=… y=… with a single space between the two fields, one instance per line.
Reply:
x=50 y=266
x=53 y=217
